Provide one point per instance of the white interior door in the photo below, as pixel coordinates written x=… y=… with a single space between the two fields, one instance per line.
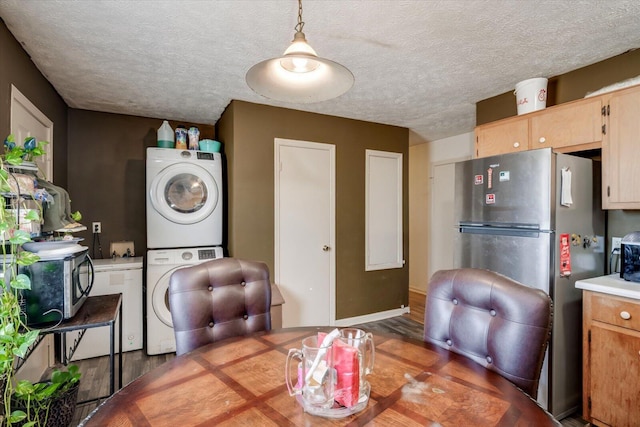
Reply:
x=28 y=120
x=305 y=231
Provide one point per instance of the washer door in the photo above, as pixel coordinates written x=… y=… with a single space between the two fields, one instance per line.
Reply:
x=184 y=193
x=160 y=298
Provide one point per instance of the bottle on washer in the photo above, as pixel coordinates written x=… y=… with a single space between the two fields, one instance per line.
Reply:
x=165 y=136
x=181 y=137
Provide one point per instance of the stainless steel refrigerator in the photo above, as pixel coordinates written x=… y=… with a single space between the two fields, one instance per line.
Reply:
x=513 y=218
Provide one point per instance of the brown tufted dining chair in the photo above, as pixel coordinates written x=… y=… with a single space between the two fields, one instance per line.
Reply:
x=219 y=299
x=493 y=320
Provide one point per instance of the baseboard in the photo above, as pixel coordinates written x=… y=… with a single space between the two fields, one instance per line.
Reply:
x=373 y=317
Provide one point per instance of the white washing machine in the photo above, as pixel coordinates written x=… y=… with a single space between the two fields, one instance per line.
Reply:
x=113 y=276
x=160 y=265
x=184 y=198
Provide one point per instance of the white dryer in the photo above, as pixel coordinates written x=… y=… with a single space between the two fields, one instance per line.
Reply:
x=184 y=198
x=160 y=265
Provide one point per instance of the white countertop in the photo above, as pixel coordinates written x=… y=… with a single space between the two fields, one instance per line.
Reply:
x=612 y=285
x=107 y=264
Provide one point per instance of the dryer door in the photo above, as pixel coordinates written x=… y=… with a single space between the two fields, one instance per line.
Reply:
x=160 y=298
x=184 y=193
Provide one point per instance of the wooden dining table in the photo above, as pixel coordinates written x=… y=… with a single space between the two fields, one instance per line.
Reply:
x=240 y=381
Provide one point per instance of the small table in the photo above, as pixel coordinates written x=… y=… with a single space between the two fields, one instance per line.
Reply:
x=96 y=312
x=240 y=381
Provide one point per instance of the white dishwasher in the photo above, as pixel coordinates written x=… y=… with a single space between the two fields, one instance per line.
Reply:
x=113 y=276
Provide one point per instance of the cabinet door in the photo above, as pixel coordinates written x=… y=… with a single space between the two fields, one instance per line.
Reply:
x=505 y=137
x=577 y=125
x=615 y=368
x=621 y=152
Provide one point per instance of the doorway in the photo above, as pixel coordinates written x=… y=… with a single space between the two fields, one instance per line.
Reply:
x=442 y=226
x=305 y=231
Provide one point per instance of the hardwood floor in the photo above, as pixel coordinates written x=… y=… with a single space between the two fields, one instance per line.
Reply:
x=95 y=381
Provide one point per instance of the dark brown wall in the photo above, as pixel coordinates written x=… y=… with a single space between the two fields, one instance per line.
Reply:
x=248 y=131
x=107 y=155
x=566 y=87
x=16 y=68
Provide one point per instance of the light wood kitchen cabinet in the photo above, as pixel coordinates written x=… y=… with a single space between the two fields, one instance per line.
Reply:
x=611 y=360
x=576 y=125
x=505 y=136
x=610 y=121
x=573 y=126
x=621 y=150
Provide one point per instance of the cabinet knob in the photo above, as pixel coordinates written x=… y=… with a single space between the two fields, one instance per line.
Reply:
x=625 y=315
x=542 y=140
x=516 y=144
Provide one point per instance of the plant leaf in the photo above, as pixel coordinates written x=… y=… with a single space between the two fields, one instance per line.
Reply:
x=27 y=258
x=32 y=215
x=14 y=157
x=21 y=281
x=20 y=237
x=30 y=337
x=4 y=226
x=23 y=388
x=17 y=416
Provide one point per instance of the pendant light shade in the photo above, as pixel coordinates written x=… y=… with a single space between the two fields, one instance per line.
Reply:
x=299 y=75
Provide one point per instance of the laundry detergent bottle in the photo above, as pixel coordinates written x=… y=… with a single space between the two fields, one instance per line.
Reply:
x=165 y=136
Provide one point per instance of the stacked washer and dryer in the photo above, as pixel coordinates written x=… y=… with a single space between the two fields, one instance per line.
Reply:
x=184 y=227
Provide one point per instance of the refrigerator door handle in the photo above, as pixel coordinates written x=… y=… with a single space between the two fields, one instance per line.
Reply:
x=522 y=230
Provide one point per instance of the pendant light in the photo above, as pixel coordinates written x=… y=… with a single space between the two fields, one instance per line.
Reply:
x=299 y=75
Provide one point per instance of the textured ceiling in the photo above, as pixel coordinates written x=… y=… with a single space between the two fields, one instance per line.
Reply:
x=417 y=64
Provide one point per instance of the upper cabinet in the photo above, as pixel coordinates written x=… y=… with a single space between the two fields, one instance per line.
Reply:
x=610 y=121
x=621 y=150
x=573 y=126
x=504 y=136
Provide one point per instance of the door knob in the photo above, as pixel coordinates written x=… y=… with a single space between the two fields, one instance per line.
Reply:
x=326 y=248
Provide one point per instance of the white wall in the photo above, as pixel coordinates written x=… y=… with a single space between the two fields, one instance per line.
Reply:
x=422 y=159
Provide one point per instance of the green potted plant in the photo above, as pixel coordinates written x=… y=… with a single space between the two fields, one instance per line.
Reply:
x=16 y=338
x=51 y=403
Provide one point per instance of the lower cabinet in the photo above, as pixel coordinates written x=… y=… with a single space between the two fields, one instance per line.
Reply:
x=611 y=360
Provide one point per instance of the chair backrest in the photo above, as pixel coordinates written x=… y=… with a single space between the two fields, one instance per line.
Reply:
x=491 y=319
x=219 y=299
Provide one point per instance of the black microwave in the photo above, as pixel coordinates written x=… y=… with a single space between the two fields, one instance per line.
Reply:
x=630 y=257
x=59 y=287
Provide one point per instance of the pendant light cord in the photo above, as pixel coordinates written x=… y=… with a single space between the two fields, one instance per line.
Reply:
x=300 y=24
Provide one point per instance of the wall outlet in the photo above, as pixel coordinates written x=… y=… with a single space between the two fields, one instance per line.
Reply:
x=615 y=243
x=96 y=227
